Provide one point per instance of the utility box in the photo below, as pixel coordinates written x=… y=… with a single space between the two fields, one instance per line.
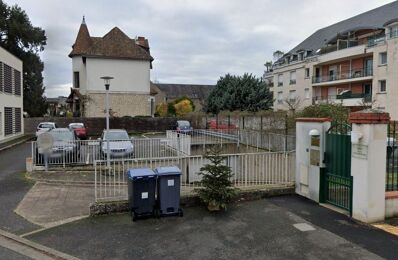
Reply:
x=169 y=181
x=141 y=192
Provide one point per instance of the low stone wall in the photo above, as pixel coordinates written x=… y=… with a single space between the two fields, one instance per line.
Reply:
x=103 y=208
x=97 y=124
x=391 y=204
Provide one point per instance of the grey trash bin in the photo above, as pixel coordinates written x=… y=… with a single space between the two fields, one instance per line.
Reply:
x=141 y=192
x=168 y=188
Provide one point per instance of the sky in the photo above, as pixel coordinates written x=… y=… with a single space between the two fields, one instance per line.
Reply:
x=192 y=41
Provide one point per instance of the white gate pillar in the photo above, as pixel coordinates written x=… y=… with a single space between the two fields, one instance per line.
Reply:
x=368 y=165
x=310 y=147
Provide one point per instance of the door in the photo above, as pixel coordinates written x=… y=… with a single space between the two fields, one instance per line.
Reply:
x=337 y=179
x=368 y=67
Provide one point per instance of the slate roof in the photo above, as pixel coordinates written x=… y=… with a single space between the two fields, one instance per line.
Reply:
x=192 y=91
x=114 y=44
x=375 y=18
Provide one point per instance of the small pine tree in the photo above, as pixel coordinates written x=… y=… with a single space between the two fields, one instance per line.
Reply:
x=217 y=189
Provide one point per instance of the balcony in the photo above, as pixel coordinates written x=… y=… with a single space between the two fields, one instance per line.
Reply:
x=351 y=75
x=347 y=99
x=292 y=82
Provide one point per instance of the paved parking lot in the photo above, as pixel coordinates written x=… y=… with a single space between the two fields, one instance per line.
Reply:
x=264 y=229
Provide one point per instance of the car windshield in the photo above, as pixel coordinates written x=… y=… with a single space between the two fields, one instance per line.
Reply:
x=46 y=126
x=183 y=123
x=62 y=136
x=116 y=136
x=75 y=126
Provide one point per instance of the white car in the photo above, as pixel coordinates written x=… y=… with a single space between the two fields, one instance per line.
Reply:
x=120 y=145
x=45 y=127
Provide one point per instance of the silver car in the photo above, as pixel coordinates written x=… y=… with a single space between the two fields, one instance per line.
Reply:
x=120 y=145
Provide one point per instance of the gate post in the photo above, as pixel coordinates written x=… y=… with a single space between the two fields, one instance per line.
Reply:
x=368 y=165
x=310 y=147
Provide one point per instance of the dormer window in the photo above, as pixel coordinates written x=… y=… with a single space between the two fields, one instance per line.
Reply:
x=394 y=31
x=301 y=56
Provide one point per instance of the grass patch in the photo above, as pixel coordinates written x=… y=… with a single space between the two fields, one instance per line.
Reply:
x=23 y=177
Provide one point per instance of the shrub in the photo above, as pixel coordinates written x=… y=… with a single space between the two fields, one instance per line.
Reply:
x=335 y=111
x=217 y=189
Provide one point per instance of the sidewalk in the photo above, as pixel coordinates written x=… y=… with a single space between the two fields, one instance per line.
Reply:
x=16 y=141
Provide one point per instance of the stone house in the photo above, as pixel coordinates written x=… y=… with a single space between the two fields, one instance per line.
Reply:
x=170 y=92
x=115 y=54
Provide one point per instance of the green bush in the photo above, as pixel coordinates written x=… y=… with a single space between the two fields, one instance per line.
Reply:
x=335 y=111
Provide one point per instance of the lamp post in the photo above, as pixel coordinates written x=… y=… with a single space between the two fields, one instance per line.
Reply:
x=107 y=81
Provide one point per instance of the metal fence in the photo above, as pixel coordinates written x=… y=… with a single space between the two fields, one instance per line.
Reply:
x=392 y=157
x=84 y=152
x=249 y=170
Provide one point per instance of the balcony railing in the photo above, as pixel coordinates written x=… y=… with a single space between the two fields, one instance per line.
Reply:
x=292 y=82
x=351 y=74
x=347 y=95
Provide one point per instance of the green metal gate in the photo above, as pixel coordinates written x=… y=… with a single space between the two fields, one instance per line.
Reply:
x=336 y=179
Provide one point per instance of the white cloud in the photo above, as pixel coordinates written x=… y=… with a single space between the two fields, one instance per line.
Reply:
x=192 y=41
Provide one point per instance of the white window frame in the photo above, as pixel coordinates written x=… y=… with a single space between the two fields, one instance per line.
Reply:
x=292 y=95
x=394 y=31
x=381 y=59
x=1 y=123
x=280 y=80
x=280 y=96
x=307 y=75
x=293 y=77
x=385 y=86
x=307 y=93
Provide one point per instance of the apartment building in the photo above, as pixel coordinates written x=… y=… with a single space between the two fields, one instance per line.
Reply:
x=353 y=63
x=11 y=96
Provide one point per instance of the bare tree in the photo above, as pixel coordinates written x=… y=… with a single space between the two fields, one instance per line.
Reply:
x=292 y=103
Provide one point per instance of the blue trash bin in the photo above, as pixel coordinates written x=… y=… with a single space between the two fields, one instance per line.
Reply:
x=141 y=192
x=168 y=190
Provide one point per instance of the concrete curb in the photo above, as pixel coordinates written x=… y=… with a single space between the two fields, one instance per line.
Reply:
x=20 y=141
x=111 y=207
x=49 y=252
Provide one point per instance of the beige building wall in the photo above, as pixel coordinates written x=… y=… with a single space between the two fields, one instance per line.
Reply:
x=386 y=101
x=302 y=83
x=121 y=104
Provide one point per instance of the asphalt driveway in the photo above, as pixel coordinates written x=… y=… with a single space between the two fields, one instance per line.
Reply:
x=263 y=229
x=13 y=187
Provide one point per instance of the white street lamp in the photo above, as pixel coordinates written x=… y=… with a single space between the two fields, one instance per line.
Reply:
x=107 y=81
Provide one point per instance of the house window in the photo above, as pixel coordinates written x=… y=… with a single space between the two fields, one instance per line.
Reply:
x=394 y=31
x=1 y=124
x=382 y=86
x=307 y=93
x=280 y=80
x=8 y=122
x=7 y=78
x=17 y=82
x=17 y=120
x=383 y=58
x=280 y=97
x=292 y=77
x=307 y=73
x=76 y=79
x=292 y=95
x=301 y=56
x=1 y=77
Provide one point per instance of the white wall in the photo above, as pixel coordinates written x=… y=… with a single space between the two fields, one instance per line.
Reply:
x=129 y=75
x=77 y=65
x=10 y=100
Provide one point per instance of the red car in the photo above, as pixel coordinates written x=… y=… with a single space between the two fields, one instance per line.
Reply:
x=79 y=129
x=212 y=124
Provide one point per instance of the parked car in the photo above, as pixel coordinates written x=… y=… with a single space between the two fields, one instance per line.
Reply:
x=45 y=127
x=184 y=127
x=65 y=148
x=79 y=129
x=120 y=145
x=391 y=146
x=212 y=124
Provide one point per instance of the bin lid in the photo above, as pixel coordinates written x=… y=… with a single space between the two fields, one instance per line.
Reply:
x=168 y=170
x=140 y=172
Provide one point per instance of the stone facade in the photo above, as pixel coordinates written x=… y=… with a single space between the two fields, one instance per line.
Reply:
x=121 y=104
